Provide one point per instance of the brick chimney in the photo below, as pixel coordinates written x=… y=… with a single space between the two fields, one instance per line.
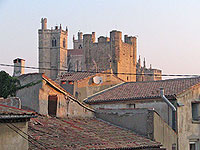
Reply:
x=18 y=67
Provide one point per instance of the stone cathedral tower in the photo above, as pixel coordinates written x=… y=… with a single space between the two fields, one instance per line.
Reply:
x=52 y=50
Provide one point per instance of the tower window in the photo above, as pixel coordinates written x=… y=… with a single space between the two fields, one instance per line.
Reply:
x=53 y=43
x=64 y=43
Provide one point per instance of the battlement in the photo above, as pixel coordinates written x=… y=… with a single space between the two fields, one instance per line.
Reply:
x=129 y=39
x=103 y=39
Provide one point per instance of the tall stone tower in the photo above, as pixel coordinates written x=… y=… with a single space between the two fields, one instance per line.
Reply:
x=52 y=50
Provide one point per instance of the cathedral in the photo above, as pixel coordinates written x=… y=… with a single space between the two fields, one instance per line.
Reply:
x=111 y=54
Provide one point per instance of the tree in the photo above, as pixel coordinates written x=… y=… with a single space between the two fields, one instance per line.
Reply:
x=8 y=85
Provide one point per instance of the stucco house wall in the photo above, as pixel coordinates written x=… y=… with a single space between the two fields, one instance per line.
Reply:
x=10 y=140
x=158 y=105
x=188 y=129
x=143 y=121
x=29 y=94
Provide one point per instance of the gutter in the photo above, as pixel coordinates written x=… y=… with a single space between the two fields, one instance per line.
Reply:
x=166 y=100
x=174 y=111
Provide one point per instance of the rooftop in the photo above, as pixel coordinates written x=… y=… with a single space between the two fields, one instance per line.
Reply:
x=84 y=133
x=144 y=90
x=8 y=112
x=75 y=76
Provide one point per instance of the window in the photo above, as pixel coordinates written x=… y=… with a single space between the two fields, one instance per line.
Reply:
x=194 y=145
x=130 y=105
x=196 y=111
x=64 y=43
x=53 y=42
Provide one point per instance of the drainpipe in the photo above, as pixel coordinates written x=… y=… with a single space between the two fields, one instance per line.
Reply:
x=171 y=106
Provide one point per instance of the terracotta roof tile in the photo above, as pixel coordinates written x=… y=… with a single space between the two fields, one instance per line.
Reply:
x=76 y=76
x=143 y=90
x=8 y=112
x=84 y=133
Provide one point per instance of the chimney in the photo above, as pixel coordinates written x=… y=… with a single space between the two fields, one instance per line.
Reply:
x=18 y=67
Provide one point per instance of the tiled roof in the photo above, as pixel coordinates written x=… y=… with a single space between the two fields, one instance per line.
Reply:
x=75 y=52
x=144 y=90
x=84 y=133
x=8 y=112
x=76 y=76
x=11 y=101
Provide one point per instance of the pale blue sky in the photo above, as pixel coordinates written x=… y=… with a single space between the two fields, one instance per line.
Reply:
x=168 y=30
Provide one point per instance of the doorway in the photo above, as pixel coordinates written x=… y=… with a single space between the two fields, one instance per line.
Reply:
x=52 y=105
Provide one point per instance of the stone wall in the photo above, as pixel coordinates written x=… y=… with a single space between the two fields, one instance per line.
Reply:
x=110 y=53
x=52 y=51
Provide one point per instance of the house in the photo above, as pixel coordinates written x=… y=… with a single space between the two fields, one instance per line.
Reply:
x=183 y=93
x=14 y=128
x=84 y=84
x=86 y=133
x=44 y=96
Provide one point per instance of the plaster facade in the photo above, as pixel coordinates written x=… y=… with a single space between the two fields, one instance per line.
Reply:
x=83 y=88
x=145 y=122
x=10 y=140
x=188 y=127
x=158 y=105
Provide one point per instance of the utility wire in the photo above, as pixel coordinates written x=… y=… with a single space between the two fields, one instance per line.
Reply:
x=29 y=136
x=22 y=136
x=149 y=74
x=16 y=128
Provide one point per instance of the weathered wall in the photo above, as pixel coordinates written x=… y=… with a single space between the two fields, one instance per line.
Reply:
x=164 y=133
x=29 y=95
x=87 y=87
x=133 y=119
x=65 y=106
x=143 y=121
x=188 y=129
x=158 y=105
x=10 y=140
x=35 y=97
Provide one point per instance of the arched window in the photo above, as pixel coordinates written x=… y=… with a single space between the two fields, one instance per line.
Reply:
x=64 y=43
x=53 y=42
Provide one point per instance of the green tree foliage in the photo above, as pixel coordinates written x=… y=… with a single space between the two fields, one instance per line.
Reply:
x=8 y=85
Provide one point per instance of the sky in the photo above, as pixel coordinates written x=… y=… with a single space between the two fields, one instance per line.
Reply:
x=168 y=31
